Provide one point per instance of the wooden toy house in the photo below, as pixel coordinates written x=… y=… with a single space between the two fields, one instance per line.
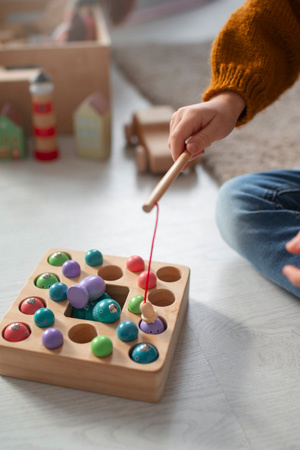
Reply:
x=12 y=139
x=77 y=68
x=92 y=127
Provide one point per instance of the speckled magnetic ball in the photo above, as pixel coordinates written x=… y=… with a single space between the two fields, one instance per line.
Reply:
x=134 y=304
x=101 y=346
x=44 y=317
x=143 y=277
x=135 y=263
x=71 y=269
x=107 y=311
x=30 y=305
x=127 y=331
x=46 y=280
x=52 y=338
x=58 y=292
x=156 y=327
x=144 y=353
x=93 y=258
x=58 y=258
x=16 y=332
x=85 y=313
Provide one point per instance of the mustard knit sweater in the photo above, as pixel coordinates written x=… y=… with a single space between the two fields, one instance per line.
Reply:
x=257 y=53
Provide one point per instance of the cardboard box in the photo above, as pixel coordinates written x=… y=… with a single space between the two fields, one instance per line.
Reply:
x=77 y=68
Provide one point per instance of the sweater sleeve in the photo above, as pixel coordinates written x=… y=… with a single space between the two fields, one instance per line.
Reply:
x=257 y=54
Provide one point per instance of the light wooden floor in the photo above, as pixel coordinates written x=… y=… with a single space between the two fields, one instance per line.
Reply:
x=234 y=382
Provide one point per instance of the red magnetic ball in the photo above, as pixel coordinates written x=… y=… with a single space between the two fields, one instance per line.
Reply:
x=143 y=277
x=16 y=332
x=135 y=263
x=30 y=305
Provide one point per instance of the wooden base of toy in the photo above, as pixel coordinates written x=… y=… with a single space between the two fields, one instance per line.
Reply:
x=73 y=364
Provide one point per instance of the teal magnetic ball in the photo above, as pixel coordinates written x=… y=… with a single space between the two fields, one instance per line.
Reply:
x=144 y=353
x=78 y=313
x=104 y=296
x=46 y=280
x=107 y=311
x=44 y=317
x=93 y=258
x=58 y=292
x=127 y=331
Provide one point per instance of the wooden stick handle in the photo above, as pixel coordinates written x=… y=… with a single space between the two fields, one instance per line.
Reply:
x=166 y=181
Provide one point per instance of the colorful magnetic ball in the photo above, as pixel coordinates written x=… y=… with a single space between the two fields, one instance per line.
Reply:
x=135 y=263
x=30 y=305
x=134 y=304
x=156 y=327
x=127 y=331
x=58 y=292
x=144 y=353
x=93 y=258
x=143 y=278
x=16 y=332
x=107 y=311
x=44 y=317
x=52 y=338
x=58 y=258
x=85 y=313
x=71 y=269
x=101 y=346
x=46 y=280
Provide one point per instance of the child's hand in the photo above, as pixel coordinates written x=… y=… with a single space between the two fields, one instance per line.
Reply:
x=205 y=122
x=291 y=272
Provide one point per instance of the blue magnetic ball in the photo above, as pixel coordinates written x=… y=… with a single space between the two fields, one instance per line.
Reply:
x=93 y=258
x=107 y=311
x=44 y=317
x=58 y=292
x=144 y=353
x=127 y=331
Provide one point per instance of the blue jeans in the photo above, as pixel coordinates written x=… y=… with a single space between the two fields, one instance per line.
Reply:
x=257 y=215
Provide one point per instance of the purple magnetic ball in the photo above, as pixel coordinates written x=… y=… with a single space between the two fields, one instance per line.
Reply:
x=52 y=338
x=71 y=269
x=156 y=327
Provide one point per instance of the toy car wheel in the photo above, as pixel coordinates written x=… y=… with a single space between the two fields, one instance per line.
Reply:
x=128 y=133
x=141 y=158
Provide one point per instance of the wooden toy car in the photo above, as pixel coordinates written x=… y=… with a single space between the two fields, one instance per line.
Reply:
x=149 y=132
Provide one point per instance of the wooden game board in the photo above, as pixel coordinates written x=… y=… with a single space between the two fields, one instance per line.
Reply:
x=73 y=365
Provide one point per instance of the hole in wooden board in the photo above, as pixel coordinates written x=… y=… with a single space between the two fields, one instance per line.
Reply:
x=110 y=272
x=168 y=274
x=82 y=333
x=161 y=297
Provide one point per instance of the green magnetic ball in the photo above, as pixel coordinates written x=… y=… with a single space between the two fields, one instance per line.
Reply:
x=93 y=258
x=58 y=258
x=101 y=346
x=46 y=280
x=134 y=304
x=44 y=317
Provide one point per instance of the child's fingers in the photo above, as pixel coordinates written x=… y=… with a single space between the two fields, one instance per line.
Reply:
x=178 y=136
x=293 y=274
x=293 y=246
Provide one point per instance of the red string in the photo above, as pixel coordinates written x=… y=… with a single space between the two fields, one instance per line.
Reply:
x=150 y=259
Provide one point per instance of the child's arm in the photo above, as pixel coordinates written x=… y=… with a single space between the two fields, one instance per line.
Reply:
x=205 y=122
x=255 y=57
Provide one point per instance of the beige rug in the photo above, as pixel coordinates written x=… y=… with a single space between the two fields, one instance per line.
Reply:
x=178 y=74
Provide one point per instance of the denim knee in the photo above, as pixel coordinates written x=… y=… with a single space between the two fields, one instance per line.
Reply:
x=235 y=201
